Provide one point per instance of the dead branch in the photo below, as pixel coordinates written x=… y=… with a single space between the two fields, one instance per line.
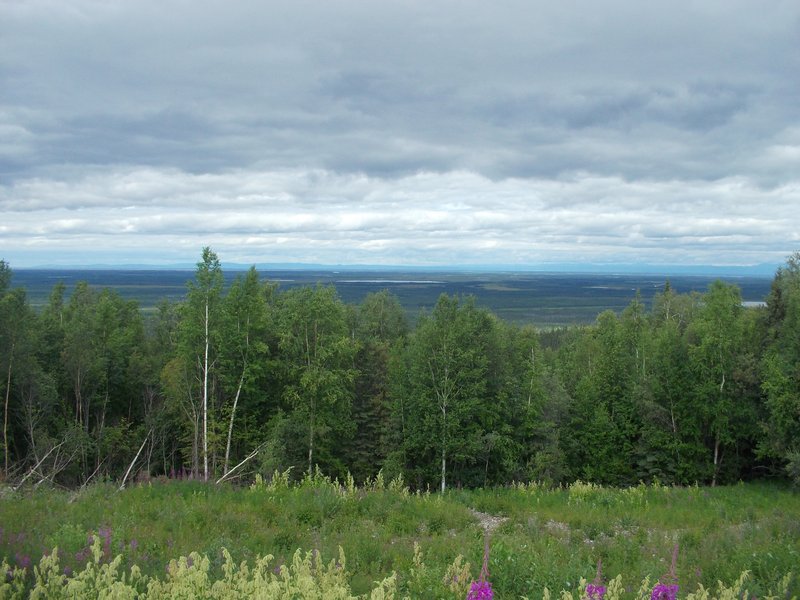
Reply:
x=128 y=472
x=249 y=456
x=36 y=466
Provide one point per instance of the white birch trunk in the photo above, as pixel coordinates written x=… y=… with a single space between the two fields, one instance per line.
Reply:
x=5 y=410
x=230 y=425
x=205 y=399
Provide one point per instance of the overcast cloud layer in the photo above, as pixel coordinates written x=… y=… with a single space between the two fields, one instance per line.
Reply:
x=410 y=132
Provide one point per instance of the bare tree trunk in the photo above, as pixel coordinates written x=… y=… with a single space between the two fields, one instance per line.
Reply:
x=444 y=468
x=716 y=440
x=133 y=462
x=5 y=410
x=530 y=385
x=230 y=425
x=196 y=449
x=78 y=398
x=716 y=461
x=205 y=399
x=444 y=445
x=311 y=445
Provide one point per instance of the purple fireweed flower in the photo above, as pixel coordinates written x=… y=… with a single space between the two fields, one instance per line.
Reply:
x=595 y=592
x=134 y=544
x=668 y=591
x=23 y=560
x=663 y=591
x=480 y=590
x=105 y=535
x=68 y=571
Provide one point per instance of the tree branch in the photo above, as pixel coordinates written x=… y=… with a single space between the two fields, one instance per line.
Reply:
x=128 y=472
x=249 y=456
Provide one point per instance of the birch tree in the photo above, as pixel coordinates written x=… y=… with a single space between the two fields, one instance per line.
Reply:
x=445 y=390
x=16 y=319
x=716 y=342
x=242 y=343
x=200 y=318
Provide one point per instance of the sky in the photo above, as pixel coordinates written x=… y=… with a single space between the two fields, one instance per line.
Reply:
x=407 y=132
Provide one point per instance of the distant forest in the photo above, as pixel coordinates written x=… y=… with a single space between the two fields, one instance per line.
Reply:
x=246 y=378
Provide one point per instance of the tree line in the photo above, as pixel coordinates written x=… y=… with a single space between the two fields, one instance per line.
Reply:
x=693 y=388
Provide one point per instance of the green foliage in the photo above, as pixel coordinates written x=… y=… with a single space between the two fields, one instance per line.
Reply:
x=253 y=379
x=319 y=366
x=398 y=544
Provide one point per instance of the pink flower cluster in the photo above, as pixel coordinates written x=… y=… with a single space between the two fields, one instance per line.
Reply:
x=595 y=591
x=663 y=591
x=480 y=590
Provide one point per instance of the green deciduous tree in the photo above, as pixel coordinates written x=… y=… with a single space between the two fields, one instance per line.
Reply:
x=716 y=351
x=242 y=343
x=318 y=351
x=17 y=323
x=444 y=392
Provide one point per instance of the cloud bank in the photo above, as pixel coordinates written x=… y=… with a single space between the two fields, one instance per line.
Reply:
x=399 y=133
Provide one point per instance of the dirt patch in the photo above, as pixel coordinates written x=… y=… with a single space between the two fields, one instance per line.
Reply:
x=488 y=522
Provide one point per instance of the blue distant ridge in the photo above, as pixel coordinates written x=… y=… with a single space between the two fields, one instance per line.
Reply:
x=760 y=270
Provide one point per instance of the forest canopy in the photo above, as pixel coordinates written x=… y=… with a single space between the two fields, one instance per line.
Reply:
x=251 y=378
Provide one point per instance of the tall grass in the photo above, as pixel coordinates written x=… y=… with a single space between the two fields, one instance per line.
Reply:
x=551 y=538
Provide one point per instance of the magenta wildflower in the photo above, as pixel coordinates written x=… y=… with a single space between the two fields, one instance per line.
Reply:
x=595 y=592
x=668 y=591
x=482 y=589
x=663 y=591
x=23 y=560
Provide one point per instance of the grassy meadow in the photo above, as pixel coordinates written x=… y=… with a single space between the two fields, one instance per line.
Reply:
x=540 y=537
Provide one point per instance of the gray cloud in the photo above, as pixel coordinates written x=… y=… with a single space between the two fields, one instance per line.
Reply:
x=400 y=132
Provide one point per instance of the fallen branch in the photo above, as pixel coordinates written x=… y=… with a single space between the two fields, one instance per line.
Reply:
x=133 y=462
x=85 y=483
x=249 y=456
x=57 y=468
x=36 y=466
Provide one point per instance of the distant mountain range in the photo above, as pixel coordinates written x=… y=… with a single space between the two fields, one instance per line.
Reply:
x=760 y=270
